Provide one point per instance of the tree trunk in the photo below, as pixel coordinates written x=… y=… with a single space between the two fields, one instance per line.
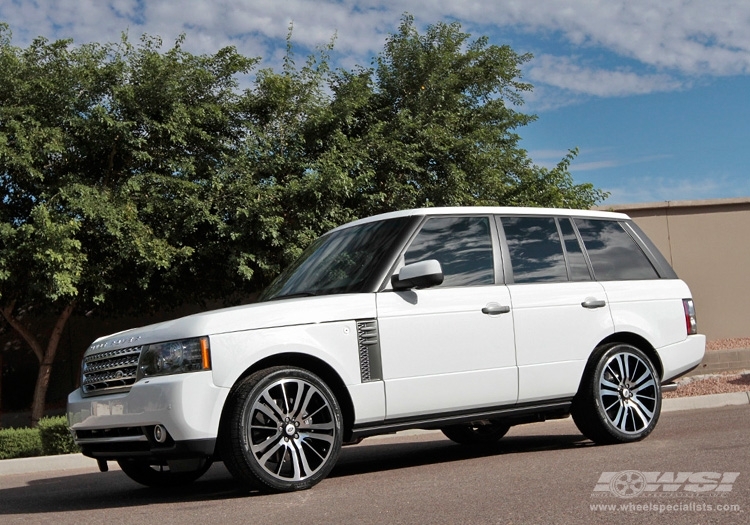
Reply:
x=46 y=356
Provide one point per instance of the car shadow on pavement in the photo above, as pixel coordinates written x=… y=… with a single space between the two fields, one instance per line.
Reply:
x=44 y=494
x=375 y=456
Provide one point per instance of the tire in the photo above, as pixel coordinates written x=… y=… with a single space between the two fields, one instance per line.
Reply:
x=477 y=433
x=143 y=472
x=619 y=400
x=282 y=430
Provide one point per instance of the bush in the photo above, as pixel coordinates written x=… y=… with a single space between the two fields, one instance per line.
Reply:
x=55 y=436
x=20 y=443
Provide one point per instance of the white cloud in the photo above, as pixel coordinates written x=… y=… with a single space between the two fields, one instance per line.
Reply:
x=565 y=73
x=658 y=189
x=672 y=39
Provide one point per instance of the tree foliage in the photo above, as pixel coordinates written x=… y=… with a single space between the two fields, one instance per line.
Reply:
x=134 y=177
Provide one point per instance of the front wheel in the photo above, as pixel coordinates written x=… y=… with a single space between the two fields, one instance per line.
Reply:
x=160 y=475
x=620 y=397
x=282 y=430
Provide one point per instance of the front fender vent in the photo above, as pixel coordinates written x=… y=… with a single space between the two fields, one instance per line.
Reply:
x=368 y=341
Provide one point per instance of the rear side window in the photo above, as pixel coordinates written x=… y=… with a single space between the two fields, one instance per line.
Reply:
x=614 y=254
x=536 y=252
x=462 y=245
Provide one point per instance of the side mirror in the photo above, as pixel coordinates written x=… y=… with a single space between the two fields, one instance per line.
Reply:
x=422 y=274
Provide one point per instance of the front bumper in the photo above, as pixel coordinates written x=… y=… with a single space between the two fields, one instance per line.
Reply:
x=187 y=406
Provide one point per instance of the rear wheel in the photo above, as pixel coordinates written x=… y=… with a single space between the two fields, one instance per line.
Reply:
x=160 y=475
x=282 y=430
x=477 y=433
x=620 y=397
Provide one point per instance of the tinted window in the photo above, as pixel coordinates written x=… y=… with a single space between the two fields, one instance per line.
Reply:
x=578 y=270
x=536 y=252
x=462 y=245
x=613 y=252
x=340 y=262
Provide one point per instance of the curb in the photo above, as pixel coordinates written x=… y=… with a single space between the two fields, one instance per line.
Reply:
x=79 y=461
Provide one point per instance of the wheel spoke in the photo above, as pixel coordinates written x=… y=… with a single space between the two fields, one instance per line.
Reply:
x=308 y=397
x=272 y=406
x=645 y=414
x=644 y=420
x=259 y=448
x=318 y=426
x=619 y=415
x=320 y=437
x=646 y=378
x=610 y=386
x=263 y=460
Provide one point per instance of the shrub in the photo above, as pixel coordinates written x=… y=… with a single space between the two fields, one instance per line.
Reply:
x=55 y=436
x=20 y=443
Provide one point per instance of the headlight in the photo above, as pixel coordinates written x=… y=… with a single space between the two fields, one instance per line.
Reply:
x=175 y=357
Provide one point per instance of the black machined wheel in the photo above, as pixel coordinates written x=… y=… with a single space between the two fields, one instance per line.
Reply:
x=477 y=433
x=160 y=475
x=620 y=397
x=282 y=430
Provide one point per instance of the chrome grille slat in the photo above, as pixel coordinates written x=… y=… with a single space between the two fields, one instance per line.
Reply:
x=111 y=371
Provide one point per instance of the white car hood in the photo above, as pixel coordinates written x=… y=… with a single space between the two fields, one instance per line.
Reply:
x=273 y=314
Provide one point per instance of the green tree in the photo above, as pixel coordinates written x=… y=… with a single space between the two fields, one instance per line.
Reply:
x=432 y=123
x=108 y=154
x=133 y=178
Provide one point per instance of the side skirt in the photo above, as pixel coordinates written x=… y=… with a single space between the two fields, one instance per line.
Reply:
x=515 y=415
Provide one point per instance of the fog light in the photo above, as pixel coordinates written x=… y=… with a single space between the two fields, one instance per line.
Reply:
x=160 y=434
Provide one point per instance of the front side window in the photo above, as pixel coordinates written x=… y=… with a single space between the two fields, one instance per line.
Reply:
x=462 y=245
x=536 y=252
x=344 y=261
x=613 y=253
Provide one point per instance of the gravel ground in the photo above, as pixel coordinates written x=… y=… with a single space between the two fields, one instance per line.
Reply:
x=725 y=382
x=711 y=384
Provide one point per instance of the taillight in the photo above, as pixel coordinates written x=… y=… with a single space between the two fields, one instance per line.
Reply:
x=691 y=323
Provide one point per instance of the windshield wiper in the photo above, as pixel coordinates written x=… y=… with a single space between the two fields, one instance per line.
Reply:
x=293 y=295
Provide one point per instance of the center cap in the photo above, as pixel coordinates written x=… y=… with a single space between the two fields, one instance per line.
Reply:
x=626 y=393
x=290 y=429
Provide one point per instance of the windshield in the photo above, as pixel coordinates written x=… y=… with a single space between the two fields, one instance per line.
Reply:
x=344 y=261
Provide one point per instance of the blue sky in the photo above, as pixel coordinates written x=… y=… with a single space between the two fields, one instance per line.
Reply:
x=654 y=93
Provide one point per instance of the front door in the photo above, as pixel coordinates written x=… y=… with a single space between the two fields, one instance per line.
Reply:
x=451 y=347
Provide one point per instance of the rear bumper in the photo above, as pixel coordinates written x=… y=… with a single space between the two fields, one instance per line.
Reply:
x=680 y=358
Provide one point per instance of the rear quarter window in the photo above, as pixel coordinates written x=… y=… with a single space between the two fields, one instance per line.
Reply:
x=614 y=254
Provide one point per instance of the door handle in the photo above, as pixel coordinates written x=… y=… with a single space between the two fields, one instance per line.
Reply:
x=495 y=309
x=593 y=303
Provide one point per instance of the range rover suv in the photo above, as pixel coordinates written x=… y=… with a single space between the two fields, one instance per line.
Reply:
x=468 y=320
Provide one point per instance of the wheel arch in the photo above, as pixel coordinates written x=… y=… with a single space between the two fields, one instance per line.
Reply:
x=317 y=367
x=637 y=341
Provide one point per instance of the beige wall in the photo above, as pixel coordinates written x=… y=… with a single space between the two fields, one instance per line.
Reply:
x=708 y=245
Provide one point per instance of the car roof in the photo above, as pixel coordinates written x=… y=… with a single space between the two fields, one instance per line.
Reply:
x=489 y=210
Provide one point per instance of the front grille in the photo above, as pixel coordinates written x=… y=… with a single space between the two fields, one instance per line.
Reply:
x=110 y=372
x=369 y=351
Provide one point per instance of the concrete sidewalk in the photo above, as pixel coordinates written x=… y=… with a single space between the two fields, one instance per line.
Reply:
x=78 y=461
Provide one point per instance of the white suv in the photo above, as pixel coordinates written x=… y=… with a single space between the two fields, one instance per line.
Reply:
x=469 y=320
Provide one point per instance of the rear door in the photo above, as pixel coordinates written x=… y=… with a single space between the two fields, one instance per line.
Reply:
x=560 y=313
